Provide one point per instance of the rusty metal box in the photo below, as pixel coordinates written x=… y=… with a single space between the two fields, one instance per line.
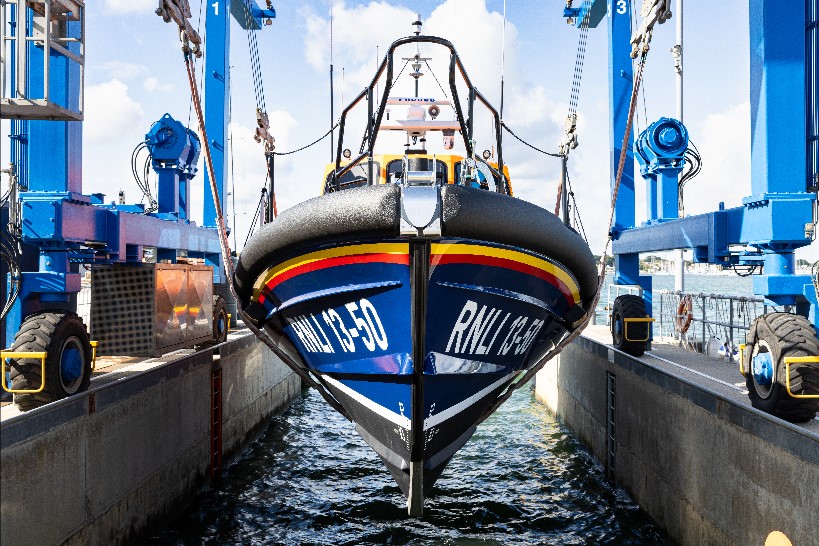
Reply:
x=150 y=309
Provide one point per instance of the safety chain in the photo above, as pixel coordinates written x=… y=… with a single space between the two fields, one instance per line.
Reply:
x=601 y=276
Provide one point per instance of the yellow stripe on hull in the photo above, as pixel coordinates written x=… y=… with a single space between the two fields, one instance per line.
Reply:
x=514 y=255
x=337 y=252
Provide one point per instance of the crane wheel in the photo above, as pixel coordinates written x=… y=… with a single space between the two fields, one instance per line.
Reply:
x=773 y=337
x=63 y=336
x=629 y=306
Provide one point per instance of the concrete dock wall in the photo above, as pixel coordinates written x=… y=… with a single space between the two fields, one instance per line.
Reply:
x=106 y=466
x=707 y=469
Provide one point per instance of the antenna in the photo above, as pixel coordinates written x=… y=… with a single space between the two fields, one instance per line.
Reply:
x=416 y=59
x=332 y=116
x=503 y=55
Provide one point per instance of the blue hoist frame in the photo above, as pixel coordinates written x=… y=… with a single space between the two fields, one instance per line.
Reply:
x=61 y=225
x=779 y=215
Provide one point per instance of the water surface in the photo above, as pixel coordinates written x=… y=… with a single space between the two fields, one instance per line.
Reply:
x=310 y=479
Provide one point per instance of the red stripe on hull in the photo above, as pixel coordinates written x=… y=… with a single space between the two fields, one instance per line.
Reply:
x=473 y=259
x=401 y=259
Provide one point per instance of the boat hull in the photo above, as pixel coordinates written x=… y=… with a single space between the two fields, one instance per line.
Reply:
x=416 y=337
x=350 y=310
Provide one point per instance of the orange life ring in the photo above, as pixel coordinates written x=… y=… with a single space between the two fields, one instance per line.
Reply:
x=684 y=315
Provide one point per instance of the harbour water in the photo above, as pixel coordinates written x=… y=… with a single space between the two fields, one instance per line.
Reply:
x=310 y=479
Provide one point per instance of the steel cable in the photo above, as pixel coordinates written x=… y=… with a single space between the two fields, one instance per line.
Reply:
x=322 y=137
x=508 y=130
x=224 y=245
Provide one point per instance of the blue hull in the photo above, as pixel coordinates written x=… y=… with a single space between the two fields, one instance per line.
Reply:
x=417 y=340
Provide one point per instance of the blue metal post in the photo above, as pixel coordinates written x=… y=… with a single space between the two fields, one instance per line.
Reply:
x=55 y=147
x=812 y=77
x=48 y=156
x=217 y=94
x=779 y=146
x=217 y=91
x=627 y=266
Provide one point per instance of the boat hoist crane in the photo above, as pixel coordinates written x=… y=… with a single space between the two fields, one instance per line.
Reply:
x=54 y=229
x=780 y=359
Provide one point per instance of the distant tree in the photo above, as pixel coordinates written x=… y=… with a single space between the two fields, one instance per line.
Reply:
x=609 y=260
x=802 y=263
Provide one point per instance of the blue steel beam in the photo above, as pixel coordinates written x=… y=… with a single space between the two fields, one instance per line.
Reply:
x=812 y=78
x=708 y=234
x=217 y=93
x=66 y=221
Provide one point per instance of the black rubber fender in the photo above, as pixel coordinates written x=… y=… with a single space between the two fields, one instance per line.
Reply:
x=479 y=214
x=373 y=211
x=370 y=211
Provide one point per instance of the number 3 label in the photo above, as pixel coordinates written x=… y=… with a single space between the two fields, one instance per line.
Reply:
x=622 y=6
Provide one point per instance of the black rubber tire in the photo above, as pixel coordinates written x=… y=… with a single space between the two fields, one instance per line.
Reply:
x=629 y=306
x=52 y=332
x=220 y=319
x=784 y=334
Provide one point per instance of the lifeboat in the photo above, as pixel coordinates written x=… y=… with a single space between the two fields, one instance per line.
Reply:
x=416 y=292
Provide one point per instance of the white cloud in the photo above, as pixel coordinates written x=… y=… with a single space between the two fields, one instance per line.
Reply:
x=248 y=175
x=130 y=6
x=110 y=113
x=122 y=70
x=351 y=46
x=153 y=84
x=724 y=142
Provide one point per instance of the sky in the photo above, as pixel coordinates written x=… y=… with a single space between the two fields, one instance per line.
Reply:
x=135 y=74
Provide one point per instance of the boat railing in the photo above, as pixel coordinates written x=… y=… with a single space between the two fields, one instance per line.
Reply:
x=376 y=106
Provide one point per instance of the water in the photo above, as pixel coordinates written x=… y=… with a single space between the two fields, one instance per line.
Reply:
x=310 y=479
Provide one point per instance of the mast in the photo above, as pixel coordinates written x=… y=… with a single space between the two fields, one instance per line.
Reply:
x=677 y=52
x=332 y=145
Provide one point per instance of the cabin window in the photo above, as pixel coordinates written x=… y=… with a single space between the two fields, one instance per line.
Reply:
x=396 y=166
x=355 y=177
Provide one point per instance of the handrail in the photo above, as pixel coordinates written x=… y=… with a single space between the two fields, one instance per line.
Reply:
x=713 y=312
x=375 y=117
